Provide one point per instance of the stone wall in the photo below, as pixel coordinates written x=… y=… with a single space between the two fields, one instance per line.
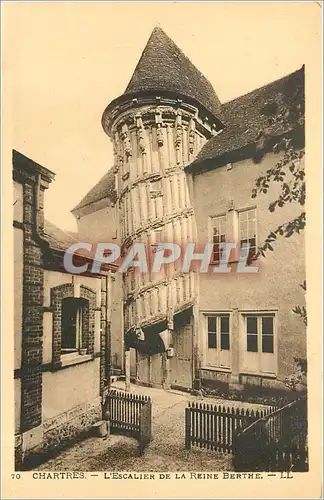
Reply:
x=57 y=432
x=68 y=425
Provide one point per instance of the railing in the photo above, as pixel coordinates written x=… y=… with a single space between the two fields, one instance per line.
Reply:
x=276 y=442
x=214 y=427
x=130 y=415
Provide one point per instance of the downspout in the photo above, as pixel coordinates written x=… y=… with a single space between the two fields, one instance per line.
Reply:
x=44 y=244
x=108 y=337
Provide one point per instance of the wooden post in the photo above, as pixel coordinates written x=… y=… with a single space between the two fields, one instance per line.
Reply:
x=262 y=455
x=195 y=348
x=165 y=371
x=127 y=370
x=145 y=424
x=187 y=429
x=149 y=360
x=108 y=330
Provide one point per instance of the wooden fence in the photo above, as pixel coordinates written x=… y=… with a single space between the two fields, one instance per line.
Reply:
x=276 y=442
x=213 y=427
x=131 y=415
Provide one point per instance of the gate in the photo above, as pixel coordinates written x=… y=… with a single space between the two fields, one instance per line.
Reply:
x=277 y=442
x=131 y=415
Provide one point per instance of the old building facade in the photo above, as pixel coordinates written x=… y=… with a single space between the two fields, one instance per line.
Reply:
x=61 y=323
x=184 y=169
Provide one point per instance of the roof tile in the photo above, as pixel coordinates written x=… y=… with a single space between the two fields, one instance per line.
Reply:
x=244 y=117
x=164 y=67
x=56 y=237
x=105 y=188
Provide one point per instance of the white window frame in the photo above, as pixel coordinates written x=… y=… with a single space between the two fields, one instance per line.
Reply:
x=242 y=211
x=243 y=339
x=211 y=235
x=217 y=314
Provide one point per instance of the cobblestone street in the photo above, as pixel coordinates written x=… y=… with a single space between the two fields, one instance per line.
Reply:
x=166 y=452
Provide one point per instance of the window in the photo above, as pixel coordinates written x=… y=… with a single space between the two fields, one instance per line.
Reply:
x=247 y=230
x=218 y=236
x=260 y=334
x=252 y=334
x=224 y=333
x=218 y=340
x=258 y=343
x=218 y=332
x=267 y=335
x=212 y=332
x=72 y=324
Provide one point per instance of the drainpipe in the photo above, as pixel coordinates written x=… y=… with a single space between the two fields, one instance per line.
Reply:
x=108 y=336
x=35 y=226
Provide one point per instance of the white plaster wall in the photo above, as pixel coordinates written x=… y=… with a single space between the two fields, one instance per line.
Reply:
x=99 y=226
x=97 y=332
x=70 y=387
x=117 y=323
x=47 y=336
x=276 y=285
x=51 y=279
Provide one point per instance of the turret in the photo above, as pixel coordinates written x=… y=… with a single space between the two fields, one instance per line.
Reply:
x=166 y=114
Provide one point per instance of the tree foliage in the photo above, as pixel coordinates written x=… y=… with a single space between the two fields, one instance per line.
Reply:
x=285 y=114
x=284 y=134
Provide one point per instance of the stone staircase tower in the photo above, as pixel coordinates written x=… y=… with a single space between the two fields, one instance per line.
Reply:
x=167 y=112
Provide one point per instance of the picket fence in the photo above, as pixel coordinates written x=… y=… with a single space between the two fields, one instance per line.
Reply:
x=276 y=442
x=214 y=427
x=130 y=415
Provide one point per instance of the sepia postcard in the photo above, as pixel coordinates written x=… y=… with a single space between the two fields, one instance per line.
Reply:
x=161 y=250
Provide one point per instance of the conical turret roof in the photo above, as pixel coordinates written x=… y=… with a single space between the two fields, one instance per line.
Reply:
x=164 y=68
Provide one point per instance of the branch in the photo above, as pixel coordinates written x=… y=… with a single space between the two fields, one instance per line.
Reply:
x=287 y=229
x=292 y=189
x=301 y=311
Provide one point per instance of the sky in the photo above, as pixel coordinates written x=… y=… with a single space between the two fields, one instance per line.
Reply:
x=68 y=60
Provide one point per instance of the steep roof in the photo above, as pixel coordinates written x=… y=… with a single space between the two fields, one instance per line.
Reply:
x=59 y=241
x=56 y=237
x=244 y=117
x=105 y=188
x=163 y=67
